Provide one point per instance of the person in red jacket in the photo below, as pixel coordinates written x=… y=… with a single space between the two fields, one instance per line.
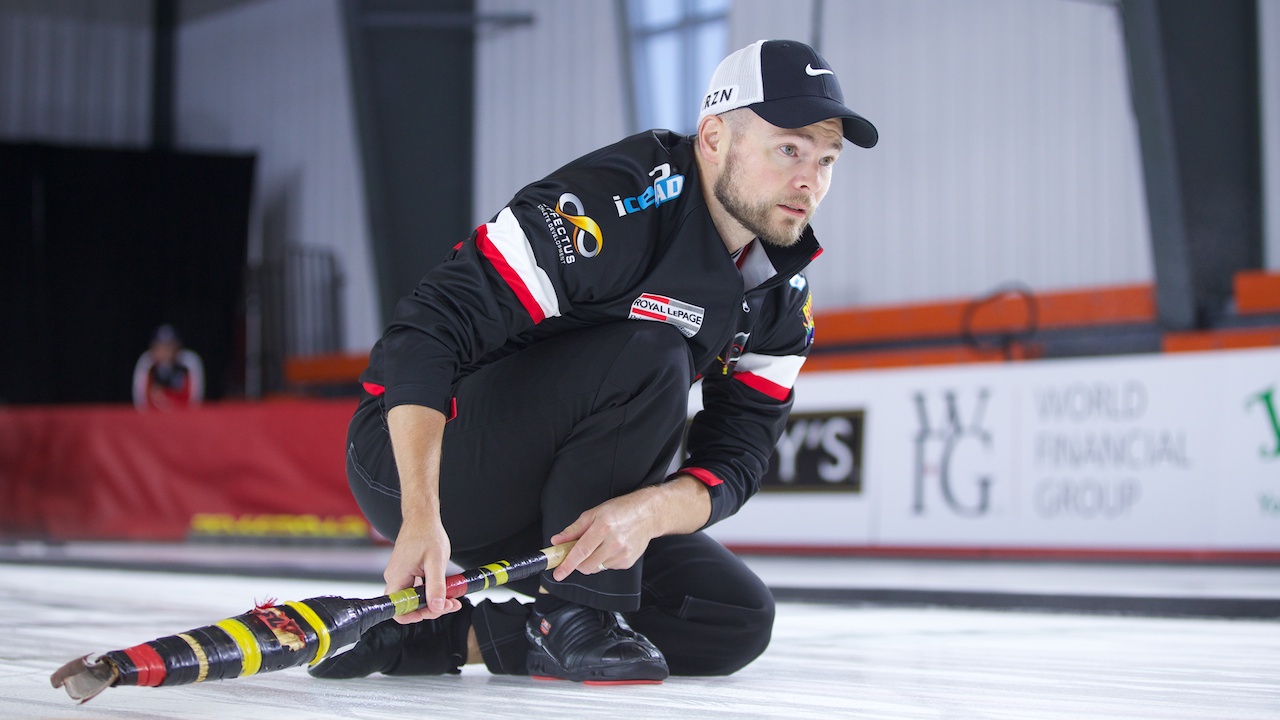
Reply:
x=167 y=376
x=533 y=390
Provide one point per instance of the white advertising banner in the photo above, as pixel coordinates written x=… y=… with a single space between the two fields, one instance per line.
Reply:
x=1152 y=452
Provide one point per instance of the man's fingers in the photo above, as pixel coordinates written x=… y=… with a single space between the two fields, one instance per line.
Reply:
x=435 y=597
x=585 y=557
x=562 y=571
x=423 y=613
x=411 y=617
x=434 y=603
x=571 y=562
x=400 y=581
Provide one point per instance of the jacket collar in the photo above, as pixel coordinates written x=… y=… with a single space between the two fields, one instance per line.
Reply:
x=790 y=260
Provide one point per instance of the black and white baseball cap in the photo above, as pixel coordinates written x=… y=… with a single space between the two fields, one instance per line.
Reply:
x=788 y=84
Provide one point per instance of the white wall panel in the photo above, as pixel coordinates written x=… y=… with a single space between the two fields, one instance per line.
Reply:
x=271 y=77
x=1008 y=150
x=545 y=93
x=752 y=20
x=76 y=71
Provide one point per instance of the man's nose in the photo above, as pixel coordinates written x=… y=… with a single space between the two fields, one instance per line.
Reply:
x=807 y=177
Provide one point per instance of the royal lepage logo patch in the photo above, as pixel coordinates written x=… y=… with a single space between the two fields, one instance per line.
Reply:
x=685 y=317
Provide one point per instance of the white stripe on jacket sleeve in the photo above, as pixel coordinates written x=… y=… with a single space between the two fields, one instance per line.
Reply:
x=507 y=248
x=773 y=375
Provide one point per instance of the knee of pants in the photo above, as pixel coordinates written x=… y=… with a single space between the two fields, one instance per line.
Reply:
x=749 y=639
x=705 y=637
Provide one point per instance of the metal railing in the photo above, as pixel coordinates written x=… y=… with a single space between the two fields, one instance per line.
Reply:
x=294 y=308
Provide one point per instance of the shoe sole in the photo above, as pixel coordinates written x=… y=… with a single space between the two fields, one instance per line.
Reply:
x=545 y=668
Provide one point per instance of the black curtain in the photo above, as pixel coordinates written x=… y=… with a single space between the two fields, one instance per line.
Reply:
x=412 y=78
x=98 y=247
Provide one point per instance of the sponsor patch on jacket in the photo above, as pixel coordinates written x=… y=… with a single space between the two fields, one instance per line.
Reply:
x=807 y=312
x=685 y=317
x=666 y=186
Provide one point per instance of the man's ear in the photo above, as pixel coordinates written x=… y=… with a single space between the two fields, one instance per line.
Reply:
x=713 y=138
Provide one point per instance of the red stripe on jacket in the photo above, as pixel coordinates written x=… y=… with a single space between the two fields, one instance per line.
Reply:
x=707 y=477
x=508 y=274
x=764 y=385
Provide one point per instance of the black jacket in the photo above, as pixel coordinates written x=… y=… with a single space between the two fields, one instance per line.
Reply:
x=622 y=233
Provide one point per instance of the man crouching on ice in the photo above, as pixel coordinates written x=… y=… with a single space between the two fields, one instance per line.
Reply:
x=533 y=390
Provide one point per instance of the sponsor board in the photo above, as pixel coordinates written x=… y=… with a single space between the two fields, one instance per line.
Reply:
x=817 y=452
x=1178 y=452
x=279 y=527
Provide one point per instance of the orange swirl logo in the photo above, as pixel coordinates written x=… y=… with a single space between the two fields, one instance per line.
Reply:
x=586 y=230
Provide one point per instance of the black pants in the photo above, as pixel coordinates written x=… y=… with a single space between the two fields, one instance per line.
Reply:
x=547 y=433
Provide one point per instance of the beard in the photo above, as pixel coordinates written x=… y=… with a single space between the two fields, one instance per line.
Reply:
x=756 y=215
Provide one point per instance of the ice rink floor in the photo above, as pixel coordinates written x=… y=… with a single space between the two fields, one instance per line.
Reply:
x=861 y=639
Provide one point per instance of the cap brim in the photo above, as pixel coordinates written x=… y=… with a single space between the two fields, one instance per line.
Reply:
x=795 y=112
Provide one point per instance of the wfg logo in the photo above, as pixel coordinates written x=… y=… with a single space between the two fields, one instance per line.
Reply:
x=945 y=446
x=1267 y=400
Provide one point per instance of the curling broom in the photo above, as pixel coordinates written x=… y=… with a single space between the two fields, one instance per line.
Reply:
x=274 y=637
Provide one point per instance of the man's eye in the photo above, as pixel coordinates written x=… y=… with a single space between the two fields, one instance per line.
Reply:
x=828 y=161
x=789 y=150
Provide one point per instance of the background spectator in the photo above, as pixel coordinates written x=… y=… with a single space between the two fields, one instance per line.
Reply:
x=167 y=375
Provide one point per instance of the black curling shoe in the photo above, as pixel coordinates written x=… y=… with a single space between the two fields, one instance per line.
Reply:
x=429 y=647
x=591 y=646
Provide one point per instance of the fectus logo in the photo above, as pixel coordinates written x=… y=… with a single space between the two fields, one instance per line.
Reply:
x=818 y=452
x=1267 y=401
x=587 y=238
x=945 y=451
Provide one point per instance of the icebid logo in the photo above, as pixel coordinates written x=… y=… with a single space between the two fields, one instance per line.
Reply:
x=587 y=238
x=666 y=186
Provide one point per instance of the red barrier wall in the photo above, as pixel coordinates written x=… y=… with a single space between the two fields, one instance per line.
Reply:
x=111 y=472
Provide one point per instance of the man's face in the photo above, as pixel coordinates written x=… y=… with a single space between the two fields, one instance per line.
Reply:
x=164 y=352
x=773 y=178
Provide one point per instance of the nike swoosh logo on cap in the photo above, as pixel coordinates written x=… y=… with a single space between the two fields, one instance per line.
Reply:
x=811 y=72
